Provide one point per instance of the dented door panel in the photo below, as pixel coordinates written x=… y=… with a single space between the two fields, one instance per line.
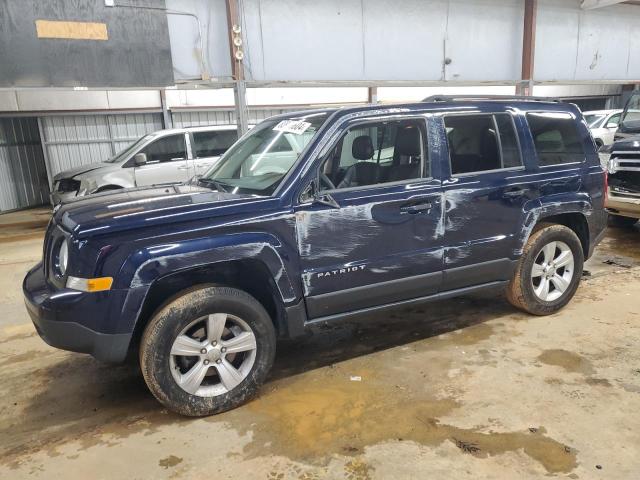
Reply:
x=372 y=250
x=484 y=214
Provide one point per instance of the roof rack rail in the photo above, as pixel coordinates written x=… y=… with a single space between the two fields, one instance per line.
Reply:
x=522 y=98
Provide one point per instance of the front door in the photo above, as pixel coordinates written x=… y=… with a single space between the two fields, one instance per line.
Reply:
x=381 y=241
x=483 y=198
x=167 y=162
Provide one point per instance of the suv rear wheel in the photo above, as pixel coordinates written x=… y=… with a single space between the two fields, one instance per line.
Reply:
x=207 y=351
x=549 y=271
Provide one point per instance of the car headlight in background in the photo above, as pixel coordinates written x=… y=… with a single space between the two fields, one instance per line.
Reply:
x=63 y=257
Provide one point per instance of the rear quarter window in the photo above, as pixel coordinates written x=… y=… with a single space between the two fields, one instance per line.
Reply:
x=556 y=138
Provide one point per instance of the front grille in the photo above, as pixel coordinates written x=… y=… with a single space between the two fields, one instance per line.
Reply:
x=68 y=185
x=624 y=174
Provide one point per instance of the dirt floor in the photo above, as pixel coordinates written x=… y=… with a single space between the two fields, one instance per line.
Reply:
x=467 y=388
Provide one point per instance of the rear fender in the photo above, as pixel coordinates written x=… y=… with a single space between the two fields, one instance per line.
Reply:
x=536 y=211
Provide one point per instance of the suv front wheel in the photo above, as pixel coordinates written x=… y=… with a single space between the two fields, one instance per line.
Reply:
x=549 y=271
x=207 y=351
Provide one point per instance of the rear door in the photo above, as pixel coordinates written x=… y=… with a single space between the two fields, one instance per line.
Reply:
x=484 y=195
x=167 y=162
x=207 y=146
x=380 y=242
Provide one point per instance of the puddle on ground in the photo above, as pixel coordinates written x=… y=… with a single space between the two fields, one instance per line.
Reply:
x=170 y=461
x=570 y=361
x=310 y=418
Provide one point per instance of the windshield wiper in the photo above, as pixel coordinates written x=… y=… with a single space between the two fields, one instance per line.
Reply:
x=208 y=182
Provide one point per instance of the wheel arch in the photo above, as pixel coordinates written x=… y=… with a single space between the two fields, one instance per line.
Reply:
x=249 y=275
x=109 y=186
x=575 y=221
x=572 y=211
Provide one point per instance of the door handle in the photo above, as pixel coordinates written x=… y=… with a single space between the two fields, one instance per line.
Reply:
x=416 y=208
x=183 y=168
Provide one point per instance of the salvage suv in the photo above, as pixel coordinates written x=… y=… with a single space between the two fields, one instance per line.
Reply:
x=384 y=207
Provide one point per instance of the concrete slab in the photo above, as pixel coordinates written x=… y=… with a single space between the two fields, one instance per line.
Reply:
x=467 y=388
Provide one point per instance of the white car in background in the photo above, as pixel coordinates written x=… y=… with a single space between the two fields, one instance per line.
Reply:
x=603 y=125
x=162 y=157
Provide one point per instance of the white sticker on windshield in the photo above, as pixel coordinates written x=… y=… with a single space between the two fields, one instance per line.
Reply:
x=292 y=126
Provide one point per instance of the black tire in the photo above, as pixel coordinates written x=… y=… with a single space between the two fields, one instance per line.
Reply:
x=520 y=291
x=159 y=335
x=622 y=222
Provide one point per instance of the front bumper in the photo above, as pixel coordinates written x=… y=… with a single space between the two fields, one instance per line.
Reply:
x=57 y=197
x=55 y=313
x=624 y=206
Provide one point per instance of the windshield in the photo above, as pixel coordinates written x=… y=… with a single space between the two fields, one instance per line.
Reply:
x=124 y=154
x=593 y=120
x=260 y=160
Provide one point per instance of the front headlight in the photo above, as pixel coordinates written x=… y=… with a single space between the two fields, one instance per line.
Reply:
x=63 y=257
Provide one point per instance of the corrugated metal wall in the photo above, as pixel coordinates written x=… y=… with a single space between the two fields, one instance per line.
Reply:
x=23 y=175
x=74 y=140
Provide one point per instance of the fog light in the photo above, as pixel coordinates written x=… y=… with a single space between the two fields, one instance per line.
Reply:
x=90 y=284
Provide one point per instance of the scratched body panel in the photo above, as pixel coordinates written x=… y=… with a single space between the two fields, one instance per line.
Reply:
x=370 y=231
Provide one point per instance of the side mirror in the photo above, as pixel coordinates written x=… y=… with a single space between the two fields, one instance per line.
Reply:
x=323 y=198
x=140 y=159
x=313 y=194
x=612 y=125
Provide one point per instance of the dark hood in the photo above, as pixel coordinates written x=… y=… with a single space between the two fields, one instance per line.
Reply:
x=141 y=207
x=628 y=144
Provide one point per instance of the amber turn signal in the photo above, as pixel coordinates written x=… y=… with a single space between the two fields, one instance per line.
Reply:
x=90 y=284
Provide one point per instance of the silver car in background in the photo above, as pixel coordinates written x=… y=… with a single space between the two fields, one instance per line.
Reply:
x=162 y=157
x=603 y=125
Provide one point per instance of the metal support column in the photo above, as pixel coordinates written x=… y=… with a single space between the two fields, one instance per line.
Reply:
x=525 y=87
x=372 y=95
x=45 y=154
x=236 y=54
x=167 y=121
x=242 y=114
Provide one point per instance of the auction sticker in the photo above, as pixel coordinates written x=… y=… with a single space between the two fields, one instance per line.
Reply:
x=292 y=126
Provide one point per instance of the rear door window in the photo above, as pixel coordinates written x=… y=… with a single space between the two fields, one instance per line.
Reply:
x=166 y=149
x=213 y=144
x=556 y=138
x=480 y=143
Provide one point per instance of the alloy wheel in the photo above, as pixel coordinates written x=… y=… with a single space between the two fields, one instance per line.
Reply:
x=552 y=271
x=213 y=355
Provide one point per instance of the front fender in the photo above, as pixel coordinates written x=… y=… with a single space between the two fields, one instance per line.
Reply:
x=145 y=266
x=121 y=177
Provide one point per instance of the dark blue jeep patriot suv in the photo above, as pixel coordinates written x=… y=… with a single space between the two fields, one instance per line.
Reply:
x=318 y=216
